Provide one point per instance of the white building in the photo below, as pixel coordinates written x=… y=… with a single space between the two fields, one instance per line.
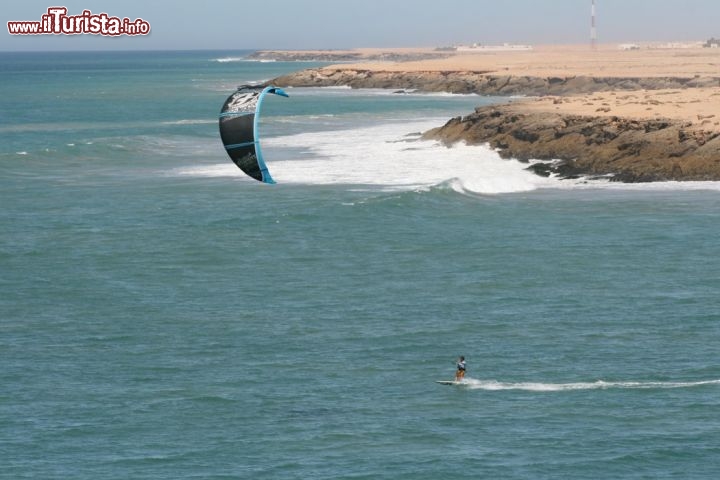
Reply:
x=505 y=47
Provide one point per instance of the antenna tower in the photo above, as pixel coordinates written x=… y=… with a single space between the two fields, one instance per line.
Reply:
x=593 y=30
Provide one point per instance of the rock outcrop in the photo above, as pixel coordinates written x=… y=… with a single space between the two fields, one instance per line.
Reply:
x=343 y=56
x=571 y=146
x=482 y=83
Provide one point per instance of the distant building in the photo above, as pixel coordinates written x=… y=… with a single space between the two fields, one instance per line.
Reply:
x=712 y=43
x=629 y=46
x=505 y=47
x=675 y=45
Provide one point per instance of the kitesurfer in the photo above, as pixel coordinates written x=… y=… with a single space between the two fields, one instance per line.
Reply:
x=460 y=372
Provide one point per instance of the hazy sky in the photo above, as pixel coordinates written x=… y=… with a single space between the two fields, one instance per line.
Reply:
x=307 y=24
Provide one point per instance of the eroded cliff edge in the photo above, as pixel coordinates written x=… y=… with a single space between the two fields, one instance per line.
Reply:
x=483 y=82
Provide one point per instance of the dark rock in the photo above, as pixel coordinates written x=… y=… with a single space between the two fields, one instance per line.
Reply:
x=629 y=150
x=482 y=83
x=525 y=136
x=572 y=146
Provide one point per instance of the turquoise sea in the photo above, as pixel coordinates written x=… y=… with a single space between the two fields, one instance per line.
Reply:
x=162 y=316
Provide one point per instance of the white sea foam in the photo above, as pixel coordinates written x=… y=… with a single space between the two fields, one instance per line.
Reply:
x=191 y=121
x=474 y=384
x=228 y=59
x=647 y=187
x=346 y=90
x=227 y=169
x=387 y=156
x=242 y=59
x=393 y=157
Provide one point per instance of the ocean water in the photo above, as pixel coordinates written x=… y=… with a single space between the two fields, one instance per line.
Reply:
x=162 y=316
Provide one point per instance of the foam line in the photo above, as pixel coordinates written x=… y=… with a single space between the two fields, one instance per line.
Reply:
x=392 y=157
x=387 y=156
x=474 y=384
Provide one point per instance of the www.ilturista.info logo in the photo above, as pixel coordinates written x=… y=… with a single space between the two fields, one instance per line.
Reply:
x=57 y=22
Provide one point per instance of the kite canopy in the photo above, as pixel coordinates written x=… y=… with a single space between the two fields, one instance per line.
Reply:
x=239 y=129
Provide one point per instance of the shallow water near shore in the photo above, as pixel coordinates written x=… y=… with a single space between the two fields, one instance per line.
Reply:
x=163 y=316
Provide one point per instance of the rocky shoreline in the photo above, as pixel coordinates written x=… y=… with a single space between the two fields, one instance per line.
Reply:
x=342 y=56
x=573 y=146
x=620 y=147
x=483 y=83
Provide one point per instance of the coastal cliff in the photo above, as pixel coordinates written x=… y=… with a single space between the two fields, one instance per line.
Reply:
x=629 y=116
x=343 y=56
x=482 y=82
x=570 y=146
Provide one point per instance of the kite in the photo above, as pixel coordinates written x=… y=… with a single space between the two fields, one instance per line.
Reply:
x=239 y=129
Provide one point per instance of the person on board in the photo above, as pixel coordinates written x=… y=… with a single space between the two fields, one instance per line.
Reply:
x=460 y=372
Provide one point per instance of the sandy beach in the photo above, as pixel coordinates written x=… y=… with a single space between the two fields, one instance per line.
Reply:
x=698 y=68
x=699 y=107
x=566 y=60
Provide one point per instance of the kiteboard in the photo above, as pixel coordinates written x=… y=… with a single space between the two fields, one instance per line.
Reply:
x=449 y=382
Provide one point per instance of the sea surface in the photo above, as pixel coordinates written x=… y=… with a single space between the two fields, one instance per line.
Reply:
x=163 y=316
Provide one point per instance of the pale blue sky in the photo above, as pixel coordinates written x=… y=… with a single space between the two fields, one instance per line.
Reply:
x=307 y=24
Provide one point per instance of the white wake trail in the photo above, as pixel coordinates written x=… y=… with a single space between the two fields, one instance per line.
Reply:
x=475 y=384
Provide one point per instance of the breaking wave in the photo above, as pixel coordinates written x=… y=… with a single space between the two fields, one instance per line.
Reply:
x=393 y=156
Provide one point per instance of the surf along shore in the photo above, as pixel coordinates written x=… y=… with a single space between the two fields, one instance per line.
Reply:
x=651 y=114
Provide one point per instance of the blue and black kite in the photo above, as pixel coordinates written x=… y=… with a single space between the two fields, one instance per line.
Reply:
x=239 y=129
